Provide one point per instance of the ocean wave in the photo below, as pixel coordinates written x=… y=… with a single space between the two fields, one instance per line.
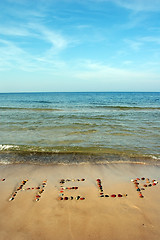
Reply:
x=81 y=108
x=30 y=109
x=41 y=101
x=125 y=107
x=10 y=154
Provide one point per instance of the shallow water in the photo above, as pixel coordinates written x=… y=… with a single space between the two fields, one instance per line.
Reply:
x=112 y=126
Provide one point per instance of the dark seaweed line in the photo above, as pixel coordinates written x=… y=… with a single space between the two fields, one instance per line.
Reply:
x=91 y=107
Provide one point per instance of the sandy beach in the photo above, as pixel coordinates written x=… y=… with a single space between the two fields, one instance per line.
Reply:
x=92 y=216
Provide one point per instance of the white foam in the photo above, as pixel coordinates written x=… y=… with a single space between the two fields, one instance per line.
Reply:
x=6 y=147
x=55 y=151
x=154 y=157
x=5 y=162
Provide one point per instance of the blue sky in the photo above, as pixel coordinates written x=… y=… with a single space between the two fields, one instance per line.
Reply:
x=79 y=45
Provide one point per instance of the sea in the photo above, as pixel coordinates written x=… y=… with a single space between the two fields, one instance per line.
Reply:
x=80 y=128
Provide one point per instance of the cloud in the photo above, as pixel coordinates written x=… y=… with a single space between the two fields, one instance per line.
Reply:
x=10 y=55
x=83 y=26
x=135 y=5
x=134 y=44
x=108 y=77
x=13 y=57
x=14 y=31
x=19 y=50
x=36 y=31
x=137 y=43
x=151 y=39
x=56 y=39
x=139 y=5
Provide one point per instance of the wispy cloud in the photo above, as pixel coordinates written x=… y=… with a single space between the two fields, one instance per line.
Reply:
x=37 y=31
x=14 y=31
x=17 y=52
x=13 y=57
x=139 y=42
x=139 y=5
x=47 y=36
x=106 y=75
x=83 y=26
x=151 y=39
x=10 y=55
x=136 y=5
x=51 y=36
x=134 y=44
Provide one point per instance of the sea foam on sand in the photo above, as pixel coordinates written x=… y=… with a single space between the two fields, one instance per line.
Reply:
x=100 y=218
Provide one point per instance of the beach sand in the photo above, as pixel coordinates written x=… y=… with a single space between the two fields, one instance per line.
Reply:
x=127 y=217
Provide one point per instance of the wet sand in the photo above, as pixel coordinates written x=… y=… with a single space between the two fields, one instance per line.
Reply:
x=127 y=217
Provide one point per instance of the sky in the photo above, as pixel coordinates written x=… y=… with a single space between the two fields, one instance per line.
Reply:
x=79 y=45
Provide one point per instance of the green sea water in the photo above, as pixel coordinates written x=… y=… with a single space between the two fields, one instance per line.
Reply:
x=50 y=128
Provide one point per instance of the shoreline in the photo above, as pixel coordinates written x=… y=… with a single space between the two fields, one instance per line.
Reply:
x=12 y=156
x=96 y=217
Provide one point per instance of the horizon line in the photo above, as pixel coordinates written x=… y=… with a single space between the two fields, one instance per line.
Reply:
x=80 y=92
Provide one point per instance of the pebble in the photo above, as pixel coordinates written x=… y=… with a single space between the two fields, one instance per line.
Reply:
x=78 y=197
x=106 y=195
x=113 y=195
x=60 y=198
x=11 y=199
x=140 y=195
x=119 y=195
